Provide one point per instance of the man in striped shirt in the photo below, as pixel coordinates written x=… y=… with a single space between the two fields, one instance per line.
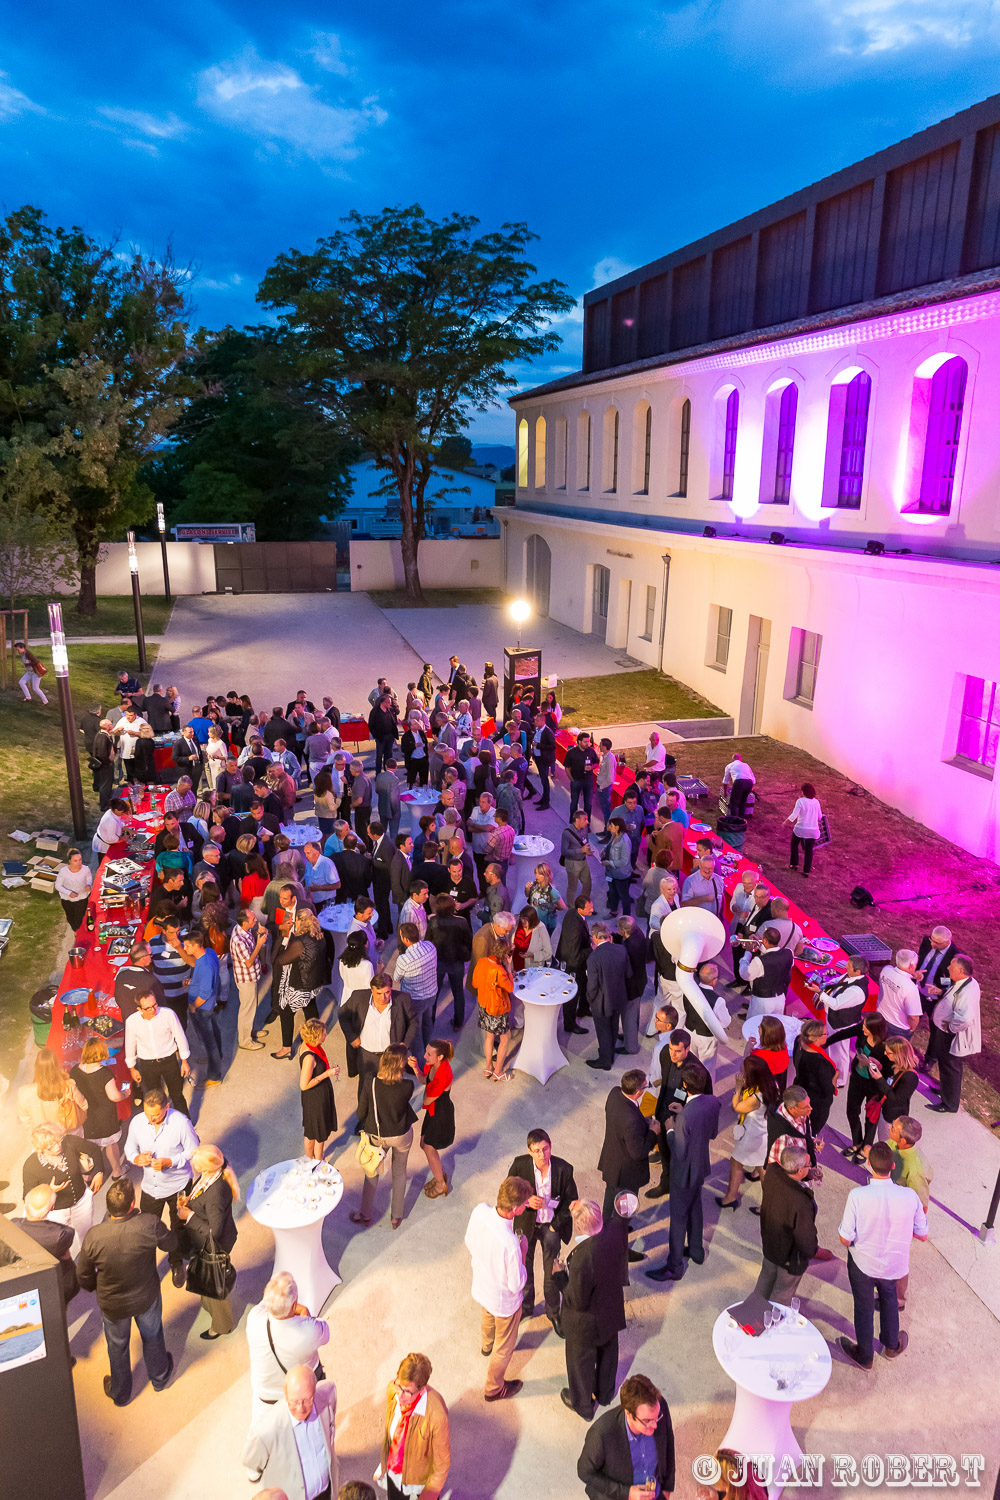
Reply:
x=416 y=974
x=172 y=965
x=246 y=945
x=414 y=908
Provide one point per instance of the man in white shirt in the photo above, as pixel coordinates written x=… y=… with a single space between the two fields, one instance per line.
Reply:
x=109 y=831
x=880 y=1221
x=498 y=1278
x=157 y=1051
x=845 y=1000
x=280 y=1334
x=414 y=908
x=738 y=780
x=126 y=732
x=320 y=879
x=898 y=994
x=290 y=1446
x=160 y=1140
x=791 y=932
x=656 y=754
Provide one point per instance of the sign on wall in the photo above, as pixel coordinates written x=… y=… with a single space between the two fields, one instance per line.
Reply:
x=237 y=531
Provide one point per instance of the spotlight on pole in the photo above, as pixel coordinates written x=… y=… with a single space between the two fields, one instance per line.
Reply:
x=60 y=665
x=133 y=565
x=161 y=522
x=519 y=612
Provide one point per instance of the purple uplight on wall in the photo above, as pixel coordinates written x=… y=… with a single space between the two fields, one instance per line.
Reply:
x=857 y=399
x=785 y=452
x=729 y=445
x=944 y=428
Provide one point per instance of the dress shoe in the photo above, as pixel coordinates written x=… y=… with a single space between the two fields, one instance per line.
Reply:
x=854 y=1353
x=576 y=1031
x=178 y=1275
x=942 y=1109
x=486 y=1352
x=822 y=1254
x=107 y=1392
x=657 y=1192
x=635 y=1256
x=697 y=1260
x=664 y=1274
x=170 y=1371
x=904 y=1339
x=567 y=1400
x=557 y=1327
x=251 y=1046
x=509 y=1388
x=592 y=1062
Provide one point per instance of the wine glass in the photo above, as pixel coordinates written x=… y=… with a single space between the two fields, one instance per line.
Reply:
x=768 y=1317
x=795 y=1304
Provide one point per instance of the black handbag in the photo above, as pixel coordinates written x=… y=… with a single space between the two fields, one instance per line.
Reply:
x=210 y=1272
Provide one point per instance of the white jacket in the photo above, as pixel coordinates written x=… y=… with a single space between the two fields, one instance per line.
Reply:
x=958 y=1012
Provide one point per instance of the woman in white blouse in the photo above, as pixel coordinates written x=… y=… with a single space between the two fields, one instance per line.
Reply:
x=804 y=818
x=216 y=755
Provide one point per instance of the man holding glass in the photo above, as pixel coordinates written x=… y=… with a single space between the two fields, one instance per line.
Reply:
x=633 y=1446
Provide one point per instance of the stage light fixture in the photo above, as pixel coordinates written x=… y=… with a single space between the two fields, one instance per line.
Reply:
x=710 y=531
x=874 y=548
x=777 y=539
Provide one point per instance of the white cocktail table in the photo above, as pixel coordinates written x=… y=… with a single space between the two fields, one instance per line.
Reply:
x=530 y=849
x=337 y=918
x=799 y=1355
x=542 y=992
x=298 y=834
x=292 y=1200
x=420 y=800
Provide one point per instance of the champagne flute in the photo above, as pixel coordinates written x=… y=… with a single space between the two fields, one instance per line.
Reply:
x=795 y=1304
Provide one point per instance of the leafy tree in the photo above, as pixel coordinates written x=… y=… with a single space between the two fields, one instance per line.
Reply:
x=455 y=453
x=248 y=447
x=406 y=325
x=35 y=547
x=91 y=341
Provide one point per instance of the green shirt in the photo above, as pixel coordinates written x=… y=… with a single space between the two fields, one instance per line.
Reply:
x=910 y=1170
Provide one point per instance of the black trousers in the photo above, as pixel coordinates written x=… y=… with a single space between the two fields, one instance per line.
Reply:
x=383 y=928
x=362 y=817
x=150 y=1205
x=548 y=1238
x=578 y=1005
x=738 y=794
x=663 y=1148
x=686 y=1225
x=164 y=1073
x=286 y=1016
x=606 y=1028
x=949 y=1067
x=104 y=780
x=592 y=1373
x=368 y=1065
x=859 y=1091
x=75 y=913
x=807 y=853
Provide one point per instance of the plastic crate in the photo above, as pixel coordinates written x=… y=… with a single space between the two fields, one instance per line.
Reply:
x=866 y=945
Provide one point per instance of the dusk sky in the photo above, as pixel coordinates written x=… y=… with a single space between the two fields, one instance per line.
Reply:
x=617 y=131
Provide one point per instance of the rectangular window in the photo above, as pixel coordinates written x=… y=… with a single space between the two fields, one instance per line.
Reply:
x=787 y=408
x=562 y=452
x=583 y=451
x=804 y=649
x=723 y=631
x=685 y=449
x=979 y=724
x=852 y=447
x=650 y=621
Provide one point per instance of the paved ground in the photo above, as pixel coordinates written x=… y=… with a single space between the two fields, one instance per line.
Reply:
x=410 y=1289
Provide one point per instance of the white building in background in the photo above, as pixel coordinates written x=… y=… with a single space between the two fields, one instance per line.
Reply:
x=778 y=475
x=458 y=504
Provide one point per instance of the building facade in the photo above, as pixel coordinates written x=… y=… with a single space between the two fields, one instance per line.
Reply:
x=797 y=511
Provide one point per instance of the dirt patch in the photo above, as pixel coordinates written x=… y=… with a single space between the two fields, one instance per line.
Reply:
x=918 y=879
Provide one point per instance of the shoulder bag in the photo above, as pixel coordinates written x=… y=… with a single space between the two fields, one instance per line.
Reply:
x=372 y=1159
x=210 y=1272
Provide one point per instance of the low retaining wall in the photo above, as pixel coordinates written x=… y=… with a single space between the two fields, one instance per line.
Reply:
x=455 y=563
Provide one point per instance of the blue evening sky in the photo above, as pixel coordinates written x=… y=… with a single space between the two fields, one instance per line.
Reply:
x=618 y=131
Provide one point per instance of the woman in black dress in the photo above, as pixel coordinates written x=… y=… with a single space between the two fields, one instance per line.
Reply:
x=207 y=1213
x=319 y=1108
x=438 y=1130
x=144 y=761
x=102 y=1096
x=891 y=1095
x=815 y=1071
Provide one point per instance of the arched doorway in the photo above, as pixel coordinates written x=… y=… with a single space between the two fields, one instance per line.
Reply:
x=539 y=573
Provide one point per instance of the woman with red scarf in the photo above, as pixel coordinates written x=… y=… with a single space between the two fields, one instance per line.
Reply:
x=438 y=1130
x=319 y=1108
x=416 y=1448
x=815 y=1071
x=772 y=1048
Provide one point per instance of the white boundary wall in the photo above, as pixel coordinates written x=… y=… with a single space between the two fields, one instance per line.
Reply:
x=458 y=563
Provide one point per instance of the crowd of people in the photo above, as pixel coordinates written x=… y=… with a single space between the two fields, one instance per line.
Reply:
x=237 y=917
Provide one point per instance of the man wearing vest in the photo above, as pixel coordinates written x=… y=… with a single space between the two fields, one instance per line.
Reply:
x=955 y=1032
x=769 y=973
x=845 y=1000
x=705 y=1041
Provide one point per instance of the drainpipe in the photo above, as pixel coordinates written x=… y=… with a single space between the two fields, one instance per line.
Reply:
x=663 y=611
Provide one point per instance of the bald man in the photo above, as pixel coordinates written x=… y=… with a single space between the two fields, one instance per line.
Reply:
x=102 y=763
x=57 y=1239
x=290 y=1445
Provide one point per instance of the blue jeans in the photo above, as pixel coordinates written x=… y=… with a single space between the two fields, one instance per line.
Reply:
x=618 y=890
x=865 y=1289
x=580 y=793
x=604 y=802
x=118 y=1332
x=455 y=975
x=210 y=1036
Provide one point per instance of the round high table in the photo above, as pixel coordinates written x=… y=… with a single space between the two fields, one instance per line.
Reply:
x=799 y=1357
x=792 y=1024
x=292 y=1200
x=298 y=834
x=530 y=849
x=337 y=919
x=422 y=799
x=542 y=992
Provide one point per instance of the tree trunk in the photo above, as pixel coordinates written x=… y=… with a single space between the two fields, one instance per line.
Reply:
x=88 y=549
x=408 y=544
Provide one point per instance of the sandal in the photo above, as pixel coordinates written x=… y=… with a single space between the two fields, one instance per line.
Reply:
x=395 y=1223
x=356 y=1218
x=489 y=1073
x=503 y=1077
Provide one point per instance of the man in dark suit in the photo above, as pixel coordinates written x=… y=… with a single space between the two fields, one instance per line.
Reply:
x=354 y=867
x=592 y=1283
x=383 y=852
x=277 y=728
x=628 y=1135
x=544 y=751
x=631 y=937
x=607 y=993
x=546 y=1220
x=367 y=1034
x=625 y=1447
x=102 y=754
x=401 y=871
x=573 y=949
x=430 y=869
x=690 y=1164
x=157 y=710
x=669 y=1101
x=787 y=1226
x=935 y=953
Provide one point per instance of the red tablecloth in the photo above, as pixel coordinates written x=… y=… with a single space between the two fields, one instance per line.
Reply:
x=163 y=757
x=354 y=731
x=98 y=973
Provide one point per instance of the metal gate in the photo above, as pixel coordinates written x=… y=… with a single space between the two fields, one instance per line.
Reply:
x=539 y=560
x=277 y=567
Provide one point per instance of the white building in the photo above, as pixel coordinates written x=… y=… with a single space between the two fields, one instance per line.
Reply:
x=824 y=375
x=458 y=504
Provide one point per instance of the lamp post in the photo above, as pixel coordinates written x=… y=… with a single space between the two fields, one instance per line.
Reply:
x=519 y=612
x=60 y=665
x=161 y=521
x=133 y=566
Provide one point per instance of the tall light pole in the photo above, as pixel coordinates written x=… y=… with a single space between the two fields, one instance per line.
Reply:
x=60 y=664
x=133 y=566
x=161 y=521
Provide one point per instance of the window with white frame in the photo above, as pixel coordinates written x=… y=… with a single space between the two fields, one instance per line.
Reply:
x=561 y=454
x=979 y=725
x=684 y=450
x=642 y=442
x=803 y=666
x=612 y=426
x=583 y=451
x=650 y=620
x=539 y=453
x=720 y=629
x=522 y=454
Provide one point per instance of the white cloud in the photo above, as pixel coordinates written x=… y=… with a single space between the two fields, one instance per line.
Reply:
x=217 y=284
x=154 y=126
x=14 y=103
x=327 y=53
x=610 y=268
x=274 y=103
x=871 y=26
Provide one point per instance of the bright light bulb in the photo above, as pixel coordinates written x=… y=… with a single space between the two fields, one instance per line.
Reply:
x=520 y=610
x=133 y=561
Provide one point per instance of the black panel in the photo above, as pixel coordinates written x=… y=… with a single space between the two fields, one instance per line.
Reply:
x=982 y=232
x=732 y=289
x=623 y=327
x=689 y=318
x=782 y=272
x=915 y=221
x=596 y=350
x=840 y=247
x=654 y=316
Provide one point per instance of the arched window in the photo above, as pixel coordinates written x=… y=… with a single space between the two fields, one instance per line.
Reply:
x=539 y=571
x=611 y=432
x=583 y=451
x=642 y=442
x=729 y=444
x=522 y=454
x=854 y=436
x=785 y=449
x=561 y=454
x=684 y=456
x=944 y=428
x=539 y=453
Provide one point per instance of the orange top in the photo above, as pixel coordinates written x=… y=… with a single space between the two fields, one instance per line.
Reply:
x=493 y=986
